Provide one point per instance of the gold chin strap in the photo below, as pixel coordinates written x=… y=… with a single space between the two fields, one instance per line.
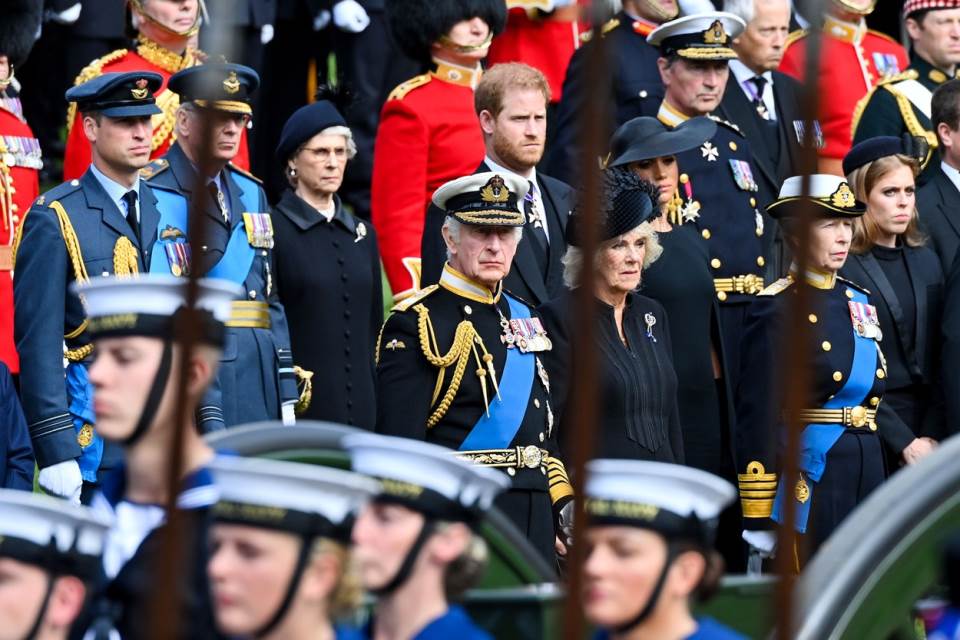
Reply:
x=450 y=45
x=656 y=11
x=137 y=5
x=861 y=8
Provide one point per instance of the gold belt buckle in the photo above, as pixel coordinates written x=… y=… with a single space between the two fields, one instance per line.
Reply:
x=855 y=416
x=748 y=284
x=529 y=456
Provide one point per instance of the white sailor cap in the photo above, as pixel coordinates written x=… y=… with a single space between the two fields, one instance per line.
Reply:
x=484 y=199
x=677 y=501
x=309 y=500
x=56 y=535
x=426 y=477
x=146 y=305
x=702 y=36
x=830 y=193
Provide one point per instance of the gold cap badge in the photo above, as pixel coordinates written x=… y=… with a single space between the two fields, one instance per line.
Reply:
x=141 y=91
x=495 y=190
x=843 y=198
x=716 y=34
x=232 y=84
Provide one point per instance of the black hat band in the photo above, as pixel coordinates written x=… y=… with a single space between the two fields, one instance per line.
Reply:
x=212 y=331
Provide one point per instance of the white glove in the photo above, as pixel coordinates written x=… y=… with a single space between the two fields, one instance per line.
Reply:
x=62 y=479
x=67 y=16
x=349 y=16
x=566 y=524
x=266 y=34
x=763 y=542
x=321 y=21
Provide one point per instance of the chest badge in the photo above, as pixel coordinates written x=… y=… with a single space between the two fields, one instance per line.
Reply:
x=865 y=321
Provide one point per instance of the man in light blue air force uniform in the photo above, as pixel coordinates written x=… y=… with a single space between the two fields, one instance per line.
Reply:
x=256 y=379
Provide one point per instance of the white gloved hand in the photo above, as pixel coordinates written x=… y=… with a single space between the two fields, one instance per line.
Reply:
x=321 y=21
x=349 y=16
x=566 y=524
x=763 y=542
x=266 y=34
x=67 y=16
x=62 y=479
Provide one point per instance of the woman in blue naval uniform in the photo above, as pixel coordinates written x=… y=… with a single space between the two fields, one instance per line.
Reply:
x=280 y=566
x=256 y=379
x=841 y=459
x=459 y=363
x=650 y=553
x=416 y=544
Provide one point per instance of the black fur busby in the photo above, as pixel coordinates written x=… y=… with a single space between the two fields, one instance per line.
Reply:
x=19 y=23
x=417 y=24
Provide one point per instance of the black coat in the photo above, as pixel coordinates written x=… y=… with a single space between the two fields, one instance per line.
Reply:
x=328 y=274
x=938 y=202
x=912 y=361
x=637 y=399
x=951 y=345
x=525 y=279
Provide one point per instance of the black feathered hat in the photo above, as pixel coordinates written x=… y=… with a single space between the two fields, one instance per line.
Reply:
x=417 y=24
x=627 y=201
x=18 y=29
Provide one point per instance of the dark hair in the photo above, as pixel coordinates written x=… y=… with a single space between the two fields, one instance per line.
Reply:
x=917 y=16
x=92 y=113
x=712 y=571
x=945 y=107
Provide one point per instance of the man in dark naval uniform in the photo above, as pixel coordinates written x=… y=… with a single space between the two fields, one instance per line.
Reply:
x=635 y=87
x=103 y=223
x=718 y=180
x=901 y=104
x=458 y=364
x=256 y=379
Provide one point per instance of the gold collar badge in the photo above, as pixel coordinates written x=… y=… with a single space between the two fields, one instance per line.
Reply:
x=232 y=84
x=716 y=34
x=843 y=198
x=495 y=190
x=141 y=91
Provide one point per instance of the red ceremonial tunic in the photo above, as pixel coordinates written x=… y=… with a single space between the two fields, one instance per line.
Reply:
x=20 y=162
x=853 y=60
x=545 y=42
x=148 y=57
x=428 y=135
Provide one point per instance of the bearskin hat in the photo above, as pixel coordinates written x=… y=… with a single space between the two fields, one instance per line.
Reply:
x=417 y=24
x=18 y=28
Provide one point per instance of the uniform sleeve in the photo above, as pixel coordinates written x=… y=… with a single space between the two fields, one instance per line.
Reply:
x=756 y=412
x=77 y=155
x=405 y=380
x=376 y=293
x=397 y=195
x=564 y=159
x=19 y=462
x=881 y=117
x=39 y=294
x=281 y=333
x=793 y=60
x=894 y=432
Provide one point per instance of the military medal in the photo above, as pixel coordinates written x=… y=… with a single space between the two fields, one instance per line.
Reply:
x=507 y=338
x=544 y=378
x=802 y=490
x=222 y=205
x=743 y=175
x=178 y=257
x=259 y=229
x=865 y=320
x=650 y=320
x=709 y=151
x=529 y=335
x=690 y=210
x=549 y=420
x=534 y=217
x=800 y=129
x=85 y=436
x=759 y=220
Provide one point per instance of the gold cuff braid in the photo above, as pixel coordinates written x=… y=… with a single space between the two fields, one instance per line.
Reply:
x=306 y=391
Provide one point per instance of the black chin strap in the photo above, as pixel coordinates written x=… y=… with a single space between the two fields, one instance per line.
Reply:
x=406 y=567
x=154 y=397
x=299 y=568
x=654 y=596
x=35 y=629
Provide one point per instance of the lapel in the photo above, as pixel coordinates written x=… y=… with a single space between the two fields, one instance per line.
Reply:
x=186 y=177
x=149 y=214
x=949 y=200
x=233 y=199
x=785 y=103
x=556 y=229
x=920 y=298
x=736 y=108
x=885 y=289
x=97 y=198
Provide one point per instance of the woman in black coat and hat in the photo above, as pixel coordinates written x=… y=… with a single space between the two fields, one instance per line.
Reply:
x=327 y=269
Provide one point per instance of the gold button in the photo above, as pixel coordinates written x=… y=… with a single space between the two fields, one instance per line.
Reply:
x=536 y=402
x=715 y=263
x=542 y=437
x=684 y=178
x=881 y=374
x=253 y=295
x=812 y=318
x=849 y=294
x=759 y=232
x=826 y=345
x=721 y=295
x=753 y=202
x=874 y=401
x=706 y=234
x=74 y=183
x=733 y=146
x=873 y=426
x=761 y=261
x=837 y=376
x=467 y=310
x=511 y=471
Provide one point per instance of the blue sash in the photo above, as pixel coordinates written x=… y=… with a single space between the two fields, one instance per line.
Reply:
x=497 y=428
x=80 y=395
x=817 y=439
x=236 y=261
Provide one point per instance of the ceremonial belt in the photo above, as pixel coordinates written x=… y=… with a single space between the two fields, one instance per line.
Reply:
x=750 y=284
x=249 y=315
x=519 y=457
x=856 y=417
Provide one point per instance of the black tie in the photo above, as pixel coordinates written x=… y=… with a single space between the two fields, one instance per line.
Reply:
x=760 y=83
x=536 y=231
x=130 y=197
x=220 y=201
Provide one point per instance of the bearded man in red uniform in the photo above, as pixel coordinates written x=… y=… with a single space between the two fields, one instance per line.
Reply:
x=167 y=29
x=428 y=133
x=853 y=59
x=20 y=157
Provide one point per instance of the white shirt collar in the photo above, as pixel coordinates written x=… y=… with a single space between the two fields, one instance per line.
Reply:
x=743 y=73
x=498 y=168
x=115 y=190
x=953 y=174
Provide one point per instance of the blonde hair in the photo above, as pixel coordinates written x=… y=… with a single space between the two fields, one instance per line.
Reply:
x=573 y=258
x=863 y=180
x=347 y=593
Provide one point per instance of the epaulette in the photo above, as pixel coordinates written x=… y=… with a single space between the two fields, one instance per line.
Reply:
x=413 y=299
x=854 y=285
x=862 y=103
x=729 y=125
x=884 y=36
x=61 y=190
x=89 y=72
x=157 y=166
x=402 y=89
x=245 y=173
x=607 y=27
x=793 y=36
x=777 y=287
x=909 y=74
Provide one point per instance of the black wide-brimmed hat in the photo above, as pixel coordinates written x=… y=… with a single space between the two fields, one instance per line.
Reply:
x=883 y=146
x=626 y=202
x=645 y=138
x=829 y=193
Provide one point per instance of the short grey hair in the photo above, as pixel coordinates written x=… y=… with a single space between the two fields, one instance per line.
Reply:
x=454 y=227
x=340 y=130
x=573 y=258
x=747 y=9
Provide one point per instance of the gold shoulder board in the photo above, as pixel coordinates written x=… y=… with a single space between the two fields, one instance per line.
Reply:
x=402 y=89
x=413 y=299
x=779 y=286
